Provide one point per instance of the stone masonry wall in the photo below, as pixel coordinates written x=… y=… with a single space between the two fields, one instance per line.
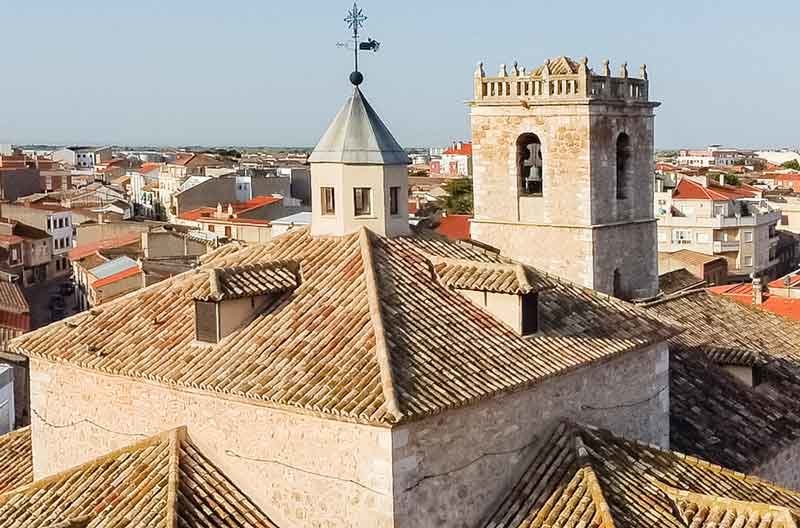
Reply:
x=783 y=468
x=630 y=249
x=302 y=471
x=450 y=469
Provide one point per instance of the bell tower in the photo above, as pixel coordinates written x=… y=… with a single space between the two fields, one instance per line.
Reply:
x=563 y=164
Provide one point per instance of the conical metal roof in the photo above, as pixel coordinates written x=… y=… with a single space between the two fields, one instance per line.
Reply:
x=358 y=136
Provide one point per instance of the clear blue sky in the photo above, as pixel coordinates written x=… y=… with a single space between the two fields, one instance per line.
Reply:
x=262 y=72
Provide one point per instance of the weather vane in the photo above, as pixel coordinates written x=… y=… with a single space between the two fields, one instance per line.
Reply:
x=355 y=21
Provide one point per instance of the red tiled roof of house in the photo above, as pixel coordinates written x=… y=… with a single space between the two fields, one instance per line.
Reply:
x=455 y=227
x=793 y=281
x=238 y=208
x=149 y=167
x=465 y=150
x=110 y=243
x=691 y=190
x=124 y=274
x=743 y=293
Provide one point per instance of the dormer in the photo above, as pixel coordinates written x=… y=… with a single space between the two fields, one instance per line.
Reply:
x=231 y=297
x=503 y=289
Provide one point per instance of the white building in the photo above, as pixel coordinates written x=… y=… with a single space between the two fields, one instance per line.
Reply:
x=778 y=157
x=713 y=156
x=83 y=157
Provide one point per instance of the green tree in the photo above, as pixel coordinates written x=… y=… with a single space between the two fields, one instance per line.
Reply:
x=792 y=164
x=459 y=196
x=732 y=179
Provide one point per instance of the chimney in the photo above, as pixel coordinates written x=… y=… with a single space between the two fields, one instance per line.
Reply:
x=758 y=292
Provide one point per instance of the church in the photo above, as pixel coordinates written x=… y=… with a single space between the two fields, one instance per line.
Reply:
x=358 y=372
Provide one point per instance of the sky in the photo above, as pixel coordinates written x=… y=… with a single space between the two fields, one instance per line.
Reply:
x=261 y=72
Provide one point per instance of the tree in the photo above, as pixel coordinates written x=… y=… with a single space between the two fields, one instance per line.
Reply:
x=459 y=196
x=791 y=164
x=732 y=179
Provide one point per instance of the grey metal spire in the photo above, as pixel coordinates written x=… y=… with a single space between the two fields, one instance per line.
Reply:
x=358 y=136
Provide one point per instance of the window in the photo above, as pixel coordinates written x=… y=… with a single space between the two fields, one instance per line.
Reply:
x=211 y=228
x=623 y=165
x=394 y=201
x=530 y=313
x=228 y=232
x=616 y=286
x=328 y=201
x=362 y=201
x=530 y=164
x=58 y=265
x=748 y=261
x=49 y=223
x=748 y=236
x=719 y=210
x=682 y=237
x=703 y=238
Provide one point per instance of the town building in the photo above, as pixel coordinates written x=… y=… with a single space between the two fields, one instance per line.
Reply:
x=17 y=179
x=245 y=221
x=714 y=156
x=778 y=157
x=83 y=157
x=455 y=161
x=709 y=268
x=208 y=192
x=56 y=221
x=563 y=155
x=25 y=252
x=733 y=222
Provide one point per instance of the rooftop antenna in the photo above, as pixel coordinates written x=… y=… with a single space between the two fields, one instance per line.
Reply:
x=355 y=21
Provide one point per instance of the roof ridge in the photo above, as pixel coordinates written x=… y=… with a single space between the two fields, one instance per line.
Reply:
x=376 y=317
x=46 y=481
x=176 y=437
x=710 y=500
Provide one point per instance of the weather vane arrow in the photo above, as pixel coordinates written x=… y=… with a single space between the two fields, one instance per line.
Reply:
x=355 y=21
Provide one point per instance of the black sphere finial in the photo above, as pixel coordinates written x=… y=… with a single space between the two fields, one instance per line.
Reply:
x=356 y=78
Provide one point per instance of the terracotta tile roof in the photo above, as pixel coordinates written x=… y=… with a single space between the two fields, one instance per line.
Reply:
x=149 y=167
x=464 y=150
x=16 y=459
x=729 y=328
x=454 y=227
x=691 y=257
x=161 y=481
x=691 y=190
x=11 y=298
x=582 y=476
x=743 y=293
x=369 y=335
x=789 y=281
x=116 y=277
x=677 y=280
x=716 y=417
x=207 y=213
x=85 y=250
x=487 y=276
x=249 y=281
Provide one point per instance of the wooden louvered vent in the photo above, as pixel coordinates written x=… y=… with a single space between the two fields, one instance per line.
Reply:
x=206 y=321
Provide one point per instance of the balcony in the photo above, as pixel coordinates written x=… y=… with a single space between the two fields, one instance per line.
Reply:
x=719 y=222
x=726 y=246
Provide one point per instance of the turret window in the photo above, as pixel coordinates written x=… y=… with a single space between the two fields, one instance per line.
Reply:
x=362 y=199
x=394 y=201
x=530 y=164
x=623 y=165
x=328 y=201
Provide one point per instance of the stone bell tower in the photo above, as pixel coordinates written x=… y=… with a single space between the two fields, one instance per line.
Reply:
x=563 y=165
